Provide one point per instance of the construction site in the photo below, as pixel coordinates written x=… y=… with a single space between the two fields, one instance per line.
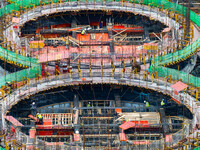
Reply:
x=99 y=75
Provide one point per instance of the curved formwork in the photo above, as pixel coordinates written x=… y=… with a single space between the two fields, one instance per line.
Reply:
x=71 y=79
x=107 y=78
x=157 y=63
x=22 y=61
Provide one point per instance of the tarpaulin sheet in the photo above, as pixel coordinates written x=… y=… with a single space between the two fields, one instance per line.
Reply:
x=13 y=121
x=118 y=110
x=127 y=125
x=91 y=37
x=53 y=56
x=54 y=143
x=32 y=117
x=141 y=142
x=129 y=49
x=166 y=30
x=179 y=86
x=83 y=50
x=141 y=123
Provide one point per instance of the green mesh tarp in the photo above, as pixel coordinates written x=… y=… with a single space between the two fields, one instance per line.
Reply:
x=18 y=76
x=18 y=59
x=22 y=4
x=177 y=75
x=178 y=55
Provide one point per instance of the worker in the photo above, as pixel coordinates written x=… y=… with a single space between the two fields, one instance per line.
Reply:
x=162 y=103
x=33 y=108
x=123 y=70
x=101 y=24
x=55 y=44
x=88 y=104
x=146 y=103
x=32 y=38
x=57 y=69
x=83 y=32
x=40 y=118
x=9 y=84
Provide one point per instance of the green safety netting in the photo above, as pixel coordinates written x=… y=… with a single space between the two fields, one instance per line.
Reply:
x=17 y=59
x=178 y=55
x=22 y=4
x=18 y=76
x=159 y=61
x=176 y=75
x=156 y=63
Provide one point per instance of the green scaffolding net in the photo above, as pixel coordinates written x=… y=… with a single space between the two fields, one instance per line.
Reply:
x=23 y=4
x=17 y=58
x=159 y=61
x=18 y=76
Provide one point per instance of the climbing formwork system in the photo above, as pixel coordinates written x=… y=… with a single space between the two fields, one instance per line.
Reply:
x=184 y=48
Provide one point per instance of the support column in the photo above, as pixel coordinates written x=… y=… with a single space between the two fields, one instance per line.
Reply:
x=3 y=107
x=17 y=131
x=117 y=101
x=76 y=113
x=32 y=136
x=164 y=124
x=74 y=25
x=146 y=32
x=76 y=101
x=110 y=34
x=111 y=45
x=76 y=119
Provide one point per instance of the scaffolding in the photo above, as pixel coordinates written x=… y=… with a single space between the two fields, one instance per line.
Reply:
x=119 y=75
